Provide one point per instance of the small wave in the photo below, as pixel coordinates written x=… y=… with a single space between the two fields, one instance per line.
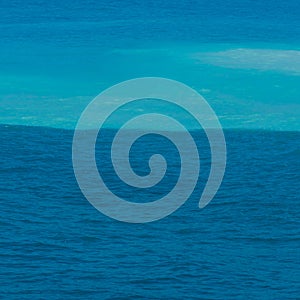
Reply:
x=258 y=59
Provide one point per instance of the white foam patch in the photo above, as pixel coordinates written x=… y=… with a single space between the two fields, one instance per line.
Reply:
x=258 y=59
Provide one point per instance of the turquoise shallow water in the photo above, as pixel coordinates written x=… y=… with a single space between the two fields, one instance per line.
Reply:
x=248 y=85
x=243 y=57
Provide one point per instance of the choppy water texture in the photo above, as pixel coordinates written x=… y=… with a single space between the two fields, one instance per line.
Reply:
x=245 y=244
x=243 y=57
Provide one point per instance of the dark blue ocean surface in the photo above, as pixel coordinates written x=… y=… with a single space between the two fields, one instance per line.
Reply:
x=56 y=245
x=122 y=22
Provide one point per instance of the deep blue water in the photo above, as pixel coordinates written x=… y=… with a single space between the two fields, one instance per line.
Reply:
x=243 y=245
x=243 y=57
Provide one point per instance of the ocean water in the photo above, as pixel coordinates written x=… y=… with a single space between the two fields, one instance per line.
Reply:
x=244 y=244
x=243 y=57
